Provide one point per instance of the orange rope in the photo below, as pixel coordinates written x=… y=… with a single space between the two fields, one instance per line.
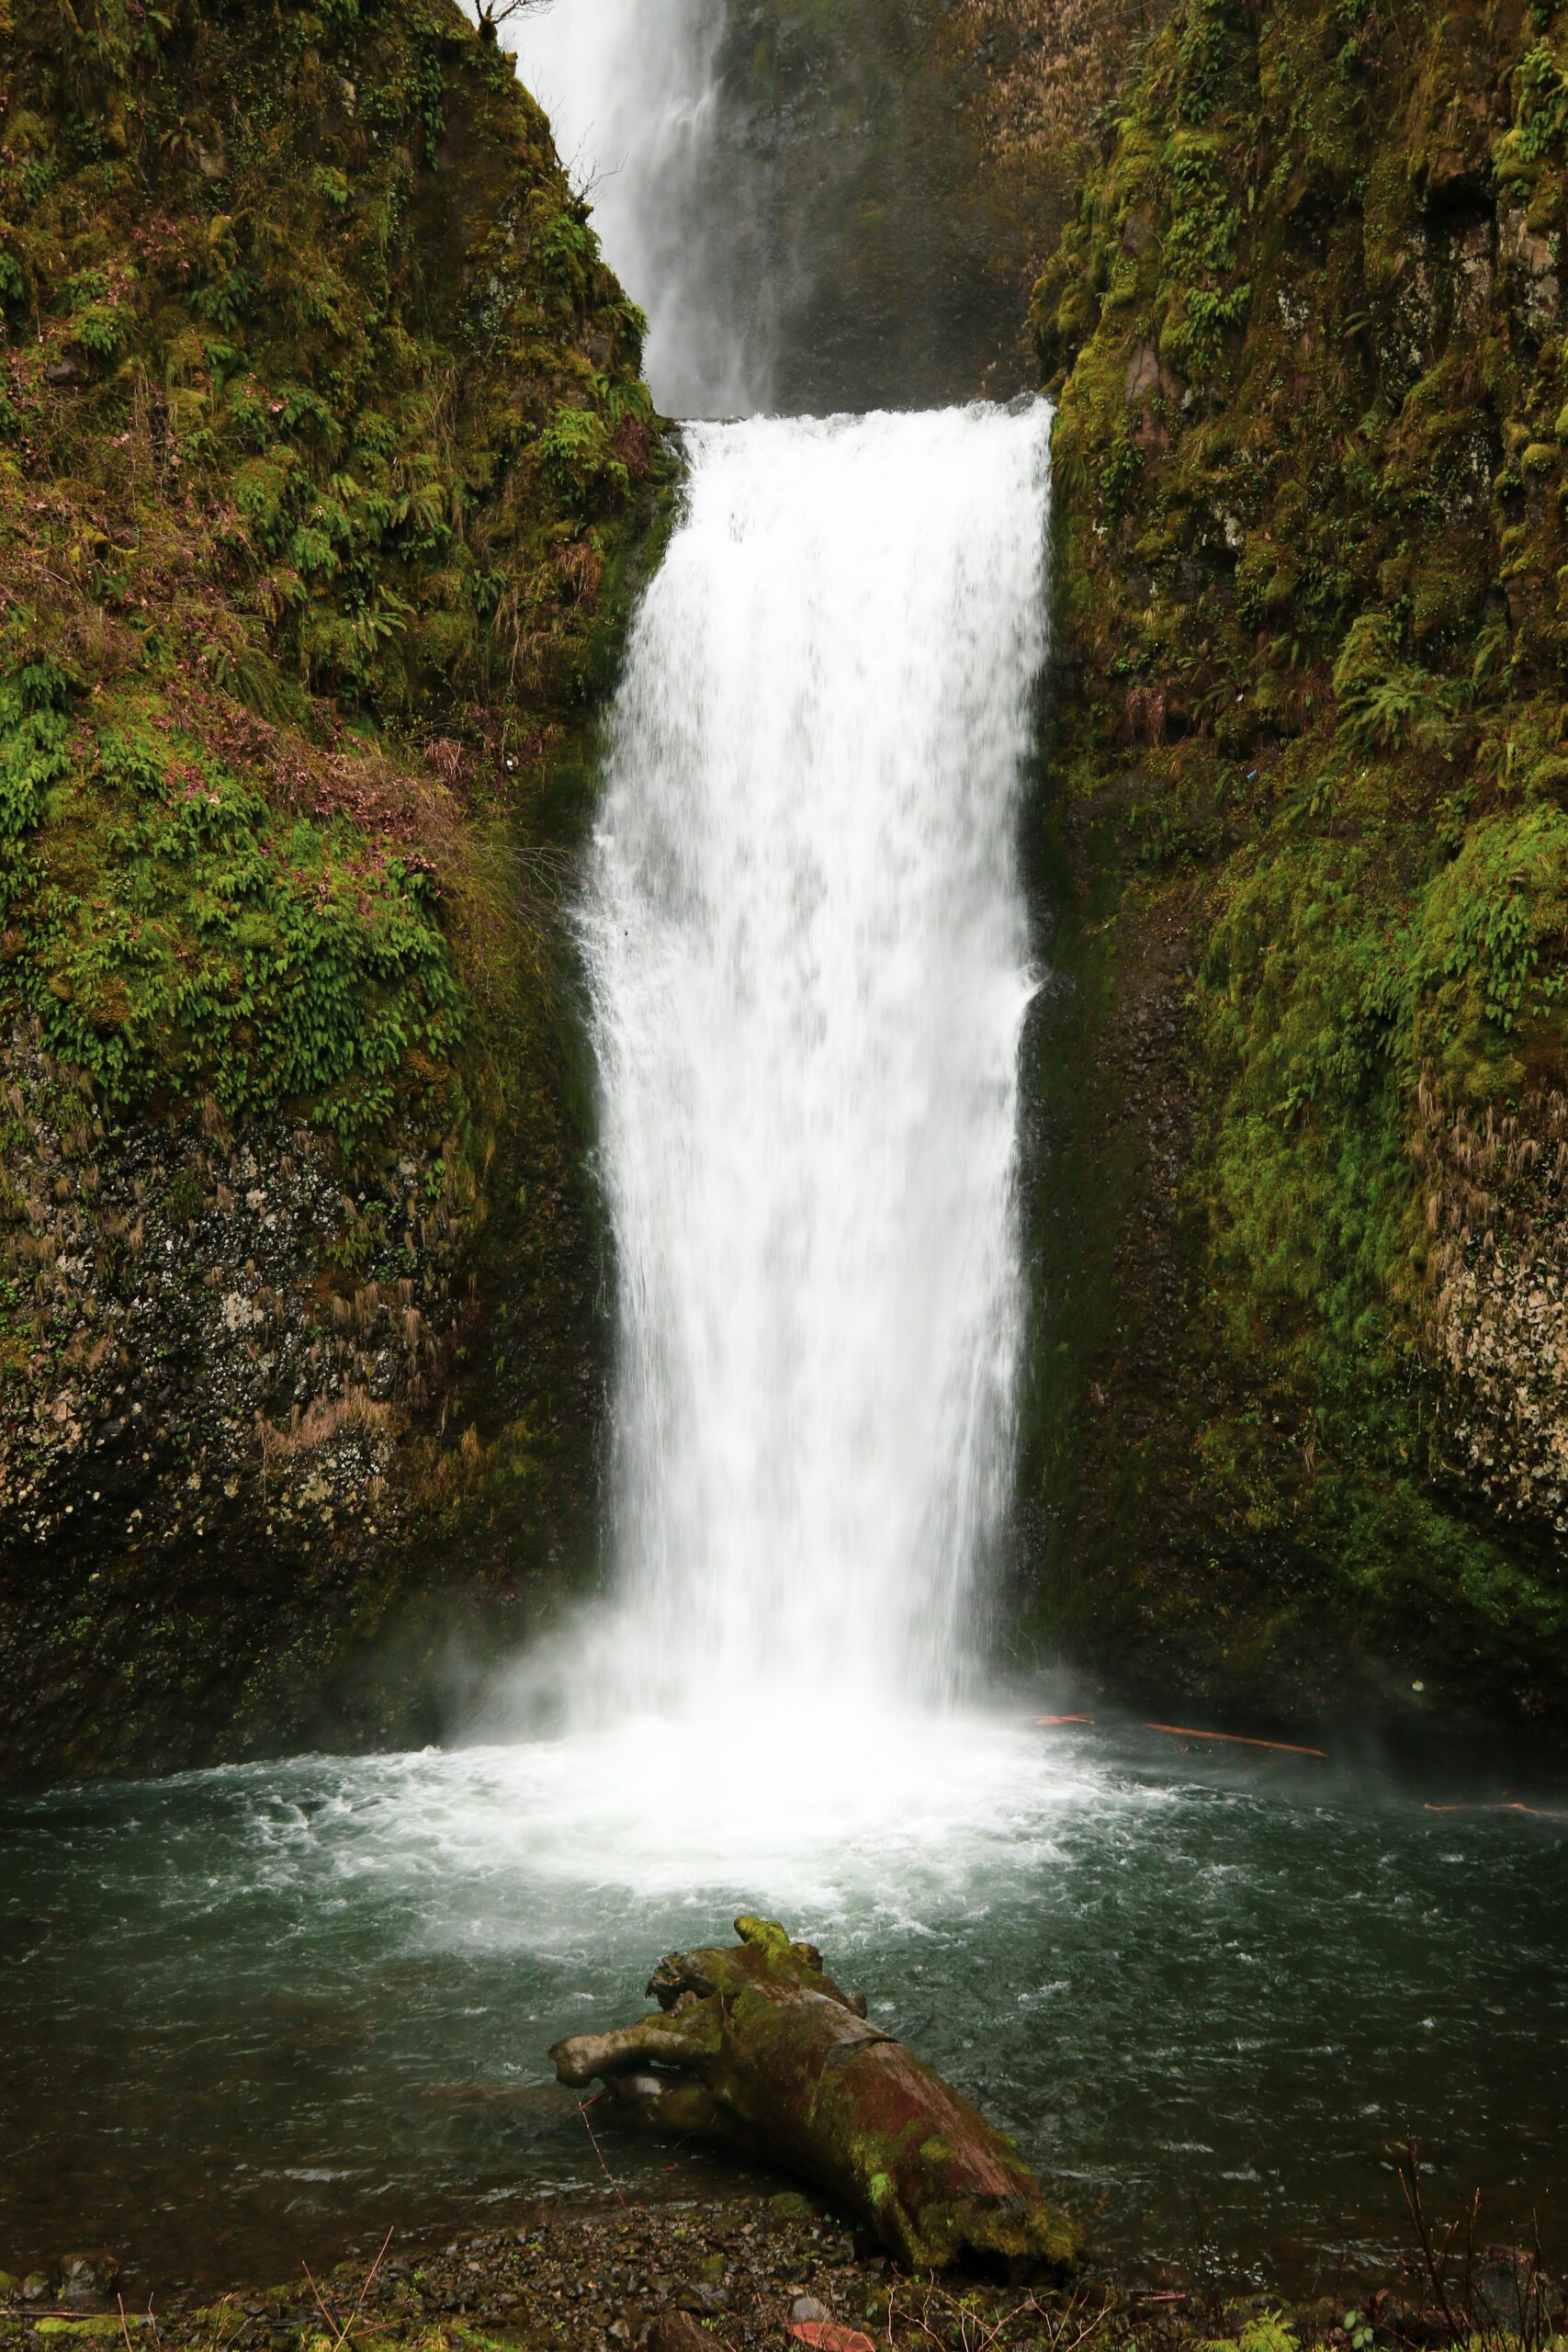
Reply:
x=1541 y=1813
x=1236 y=1739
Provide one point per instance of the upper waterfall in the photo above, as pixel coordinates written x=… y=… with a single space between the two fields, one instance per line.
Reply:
x=800 y=199
x=809 y=960
x=632 y=92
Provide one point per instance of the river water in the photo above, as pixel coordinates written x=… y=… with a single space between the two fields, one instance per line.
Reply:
x=252 y=2015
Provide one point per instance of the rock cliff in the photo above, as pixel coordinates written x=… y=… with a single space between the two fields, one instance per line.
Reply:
x=1299 y=1420
x=325 y=460
x=325 y=477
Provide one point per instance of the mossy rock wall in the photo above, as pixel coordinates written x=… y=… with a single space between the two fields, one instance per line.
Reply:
x=1297 y=1437
x=325 y=473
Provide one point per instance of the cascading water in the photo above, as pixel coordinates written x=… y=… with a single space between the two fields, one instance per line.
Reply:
x=809 y=959
x=808 y=956
x=791 y=193
x=631 y=89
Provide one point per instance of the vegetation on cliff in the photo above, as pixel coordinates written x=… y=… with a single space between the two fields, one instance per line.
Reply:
x=319 y=416
x=323 y=452
x=1303 y=1386
x=1037 y=80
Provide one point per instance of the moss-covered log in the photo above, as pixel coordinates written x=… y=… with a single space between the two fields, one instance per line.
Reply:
x=759 y=2049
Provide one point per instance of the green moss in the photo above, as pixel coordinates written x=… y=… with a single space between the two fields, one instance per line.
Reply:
x=98 y=2328
x=174 y=932
x=1309 y=825
x=322 y=436
x=327 y=477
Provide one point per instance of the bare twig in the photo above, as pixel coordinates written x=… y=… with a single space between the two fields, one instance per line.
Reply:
x=365 y=2289
x=1434 y=2263
x=340 y=2329
x=583 y=2107
x=492 y=13
x=330 y=2317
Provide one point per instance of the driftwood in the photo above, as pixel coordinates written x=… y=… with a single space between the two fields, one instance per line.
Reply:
x=757 y=2048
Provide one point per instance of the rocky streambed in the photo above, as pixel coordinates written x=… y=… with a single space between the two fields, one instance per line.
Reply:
x=612 y=2271
x=592 y=2272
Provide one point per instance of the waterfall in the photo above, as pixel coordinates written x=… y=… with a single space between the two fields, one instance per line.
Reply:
x=807 y=941
x=631 y=87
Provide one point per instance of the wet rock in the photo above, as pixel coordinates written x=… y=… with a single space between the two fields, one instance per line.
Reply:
x=704 y=2295
x=1138 y=236
x=1497 y=1326
x=678 y=2332
x=194 y=1371
x=37 y=2287
x=87 y=2278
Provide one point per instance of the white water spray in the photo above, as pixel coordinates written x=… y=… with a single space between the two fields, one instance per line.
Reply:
x=631 y=87
x=809 y=961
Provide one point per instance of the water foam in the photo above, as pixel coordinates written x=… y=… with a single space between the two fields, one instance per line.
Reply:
x=540 y=1838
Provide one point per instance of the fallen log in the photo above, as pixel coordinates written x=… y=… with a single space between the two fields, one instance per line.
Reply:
x=757 y=2048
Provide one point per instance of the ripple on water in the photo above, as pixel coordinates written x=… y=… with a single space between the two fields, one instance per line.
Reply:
x=286 y=2002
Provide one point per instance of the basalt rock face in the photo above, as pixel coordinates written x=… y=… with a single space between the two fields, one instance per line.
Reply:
x=885 y=178
x=325 y=466
x=1298 y=1424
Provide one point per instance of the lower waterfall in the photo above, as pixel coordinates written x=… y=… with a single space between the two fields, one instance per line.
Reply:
x=808 y=956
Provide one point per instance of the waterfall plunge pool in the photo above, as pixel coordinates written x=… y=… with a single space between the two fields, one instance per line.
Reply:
x=253 y=2014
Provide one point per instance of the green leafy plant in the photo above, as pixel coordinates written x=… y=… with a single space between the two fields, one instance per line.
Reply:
x=577 y=459
x=1540 y=104
x=33 y=732
x=1387 y=704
